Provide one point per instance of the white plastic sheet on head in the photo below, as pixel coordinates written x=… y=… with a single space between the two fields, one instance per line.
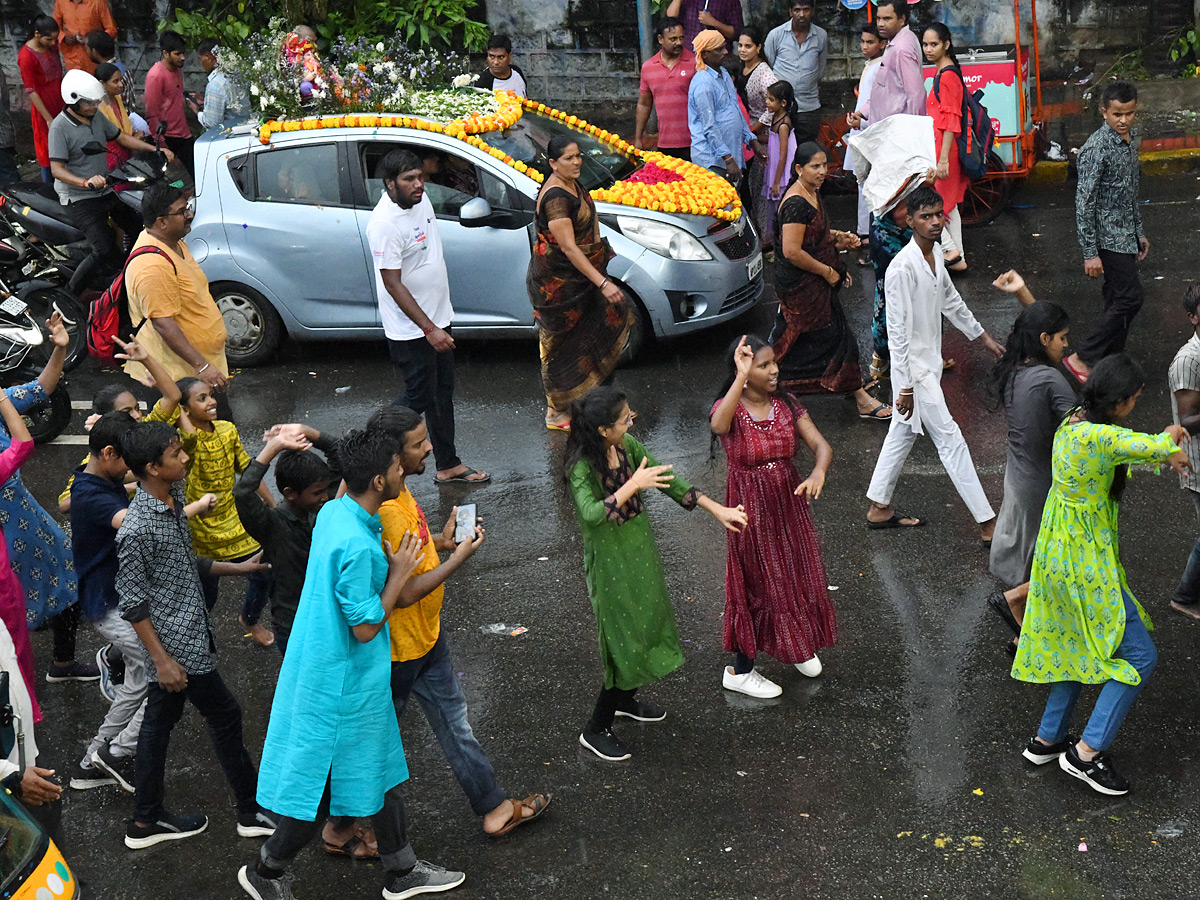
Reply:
x=891 y=158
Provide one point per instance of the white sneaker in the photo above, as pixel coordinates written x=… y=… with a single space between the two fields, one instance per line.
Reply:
x=752 y=684
x=812 y=668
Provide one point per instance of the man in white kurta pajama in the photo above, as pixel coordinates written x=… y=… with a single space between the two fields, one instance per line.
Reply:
x=920 y=293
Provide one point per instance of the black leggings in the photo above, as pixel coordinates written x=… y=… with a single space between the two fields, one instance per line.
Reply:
x=742 y=664
x=64 y=626
x=607 y=704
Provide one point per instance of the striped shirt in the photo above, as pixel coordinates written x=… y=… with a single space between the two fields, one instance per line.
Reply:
x=669 y=88
x=1184 y=375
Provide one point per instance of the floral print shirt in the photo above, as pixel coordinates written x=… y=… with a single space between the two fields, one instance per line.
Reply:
x=1106 y=200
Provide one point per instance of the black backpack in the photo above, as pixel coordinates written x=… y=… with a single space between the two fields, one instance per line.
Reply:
x=978 y=132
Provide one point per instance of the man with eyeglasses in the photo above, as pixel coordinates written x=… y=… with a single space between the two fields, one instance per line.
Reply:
x=78 y=151
x=166 y=285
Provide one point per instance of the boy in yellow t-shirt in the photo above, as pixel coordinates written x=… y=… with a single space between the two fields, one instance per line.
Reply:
x=421 y=663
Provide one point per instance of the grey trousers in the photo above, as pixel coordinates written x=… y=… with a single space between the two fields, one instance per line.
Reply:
x=123 y=722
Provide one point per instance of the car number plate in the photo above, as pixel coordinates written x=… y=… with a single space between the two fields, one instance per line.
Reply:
x=754 y=267
x=14 y=306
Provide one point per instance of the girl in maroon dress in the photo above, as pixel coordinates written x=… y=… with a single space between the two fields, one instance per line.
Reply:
x=777 y=594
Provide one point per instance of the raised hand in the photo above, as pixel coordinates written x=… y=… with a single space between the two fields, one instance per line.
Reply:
x=132 y=350
x=743 y=358
x=1010 y=282
x=649 y=477
x=58 y=331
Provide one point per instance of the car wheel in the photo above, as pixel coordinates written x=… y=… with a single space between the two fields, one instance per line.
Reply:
x=640 y=334
x=253 y=328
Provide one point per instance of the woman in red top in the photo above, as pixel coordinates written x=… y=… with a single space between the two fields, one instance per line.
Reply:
x=945 y=106
x=42 y=71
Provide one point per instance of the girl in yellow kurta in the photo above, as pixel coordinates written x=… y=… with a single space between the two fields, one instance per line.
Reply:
x=1082 y=624
x=216 y=458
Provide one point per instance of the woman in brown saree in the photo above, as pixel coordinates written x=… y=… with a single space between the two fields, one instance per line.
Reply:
x=583 y=317
x=813 y=342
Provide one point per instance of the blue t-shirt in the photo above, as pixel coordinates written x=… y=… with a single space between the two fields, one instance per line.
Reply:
x=94 y=502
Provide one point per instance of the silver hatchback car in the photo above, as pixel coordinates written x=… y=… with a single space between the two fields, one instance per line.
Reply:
x=280 y=231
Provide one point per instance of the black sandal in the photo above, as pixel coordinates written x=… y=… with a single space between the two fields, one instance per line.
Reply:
x=997 y=602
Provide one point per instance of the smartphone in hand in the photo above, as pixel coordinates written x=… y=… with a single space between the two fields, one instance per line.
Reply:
x=464 y=523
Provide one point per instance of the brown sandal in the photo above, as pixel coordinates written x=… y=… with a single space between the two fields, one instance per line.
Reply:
x=358 y=847
x=536 y=802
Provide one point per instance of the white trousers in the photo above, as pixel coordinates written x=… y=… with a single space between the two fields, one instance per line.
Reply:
x=124 y=720
x=864 y=215
x=951 y=447
x=952 y=241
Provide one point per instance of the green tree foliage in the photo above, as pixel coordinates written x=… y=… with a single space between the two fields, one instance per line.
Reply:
x=427 y=23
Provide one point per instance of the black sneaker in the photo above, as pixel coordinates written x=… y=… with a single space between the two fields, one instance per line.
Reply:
x=84 y=778
x=642 y=711
x=424 y=878
x=168 y=828
x=259 y=823
x=1039 y=754
x=604 y=744
x=262 y=888
x=121 y=768
x=76 y=671
x=1098 y=773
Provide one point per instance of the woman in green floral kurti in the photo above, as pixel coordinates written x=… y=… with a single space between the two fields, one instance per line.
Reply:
x=1082 y=624
x=608 y=469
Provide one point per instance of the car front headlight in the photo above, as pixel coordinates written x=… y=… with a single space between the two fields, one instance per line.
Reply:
x=666 y=240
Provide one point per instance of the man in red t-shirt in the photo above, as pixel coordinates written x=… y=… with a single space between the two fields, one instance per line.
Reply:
x=664 y=86
x=42 y=72
x=164 y=98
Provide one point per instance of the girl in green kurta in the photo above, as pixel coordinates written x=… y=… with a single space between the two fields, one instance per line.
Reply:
x=607 y=470
x=1082 y=624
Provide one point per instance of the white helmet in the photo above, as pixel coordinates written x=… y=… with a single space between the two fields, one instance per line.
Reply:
x=79 y=85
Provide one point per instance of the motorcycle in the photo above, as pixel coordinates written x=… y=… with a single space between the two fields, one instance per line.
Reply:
x=22 y=355
x=43 y=247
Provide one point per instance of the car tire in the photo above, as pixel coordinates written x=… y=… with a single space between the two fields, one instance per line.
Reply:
x=48 y=420
x=254 y=330
x=640 y=335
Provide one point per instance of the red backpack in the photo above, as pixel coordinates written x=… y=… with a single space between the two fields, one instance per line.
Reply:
x=108 y=315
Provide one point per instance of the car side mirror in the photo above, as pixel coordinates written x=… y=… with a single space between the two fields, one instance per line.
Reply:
x=475 y=213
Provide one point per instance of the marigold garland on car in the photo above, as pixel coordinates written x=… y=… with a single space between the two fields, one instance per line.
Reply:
x=665 y=183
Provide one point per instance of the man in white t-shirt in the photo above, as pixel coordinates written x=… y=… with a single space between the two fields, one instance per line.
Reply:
x=501 y=74
x=413 y=291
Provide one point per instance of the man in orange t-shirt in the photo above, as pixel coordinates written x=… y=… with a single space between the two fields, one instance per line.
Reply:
x=76 y=20
x=421 y=663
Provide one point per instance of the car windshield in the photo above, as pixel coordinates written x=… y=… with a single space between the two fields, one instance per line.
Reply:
x=21 y=841
x=603 y=164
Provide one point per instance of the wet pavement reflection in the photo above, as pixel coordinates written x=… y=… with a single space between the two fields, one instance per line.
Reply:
x=896 y=774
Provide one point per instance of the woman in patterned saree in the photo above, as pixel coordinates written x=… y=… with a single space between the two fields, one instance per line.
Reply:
x=1082 y=624
x=583 y=316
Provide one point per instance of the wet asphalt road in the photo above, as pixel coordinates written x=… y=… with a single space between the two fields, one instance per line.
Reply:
x=895 y=775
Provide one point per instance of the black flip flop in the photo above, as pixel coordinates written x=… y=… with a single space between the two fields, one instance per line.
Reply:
x=464 y=477
x=896 y=521
x=997 y=602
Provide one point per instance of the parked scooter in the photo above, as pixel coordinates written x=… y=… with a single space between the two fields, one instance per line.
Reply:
x=43 y=247
x=23 y=353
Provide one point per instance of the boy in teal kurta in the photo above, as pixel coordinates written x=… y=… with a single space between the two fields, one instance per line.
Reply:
x=1082 y=624
x=639 y=644
x=333 y=743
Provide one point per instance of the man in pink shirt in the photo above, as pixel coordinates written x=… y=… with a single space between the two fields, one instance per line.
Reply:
x=164 y=98
x=664 y=86
x=900 y=85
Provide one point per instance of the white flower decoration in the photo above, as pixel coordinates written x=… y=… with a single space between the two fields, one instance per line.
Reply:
x=379 y=47
x=461 y=81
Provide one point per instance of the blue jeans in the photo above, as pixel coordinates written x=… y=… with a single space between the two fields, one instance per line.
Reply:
x=1115 y=698
x=431 y=677
x=1188 y=591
